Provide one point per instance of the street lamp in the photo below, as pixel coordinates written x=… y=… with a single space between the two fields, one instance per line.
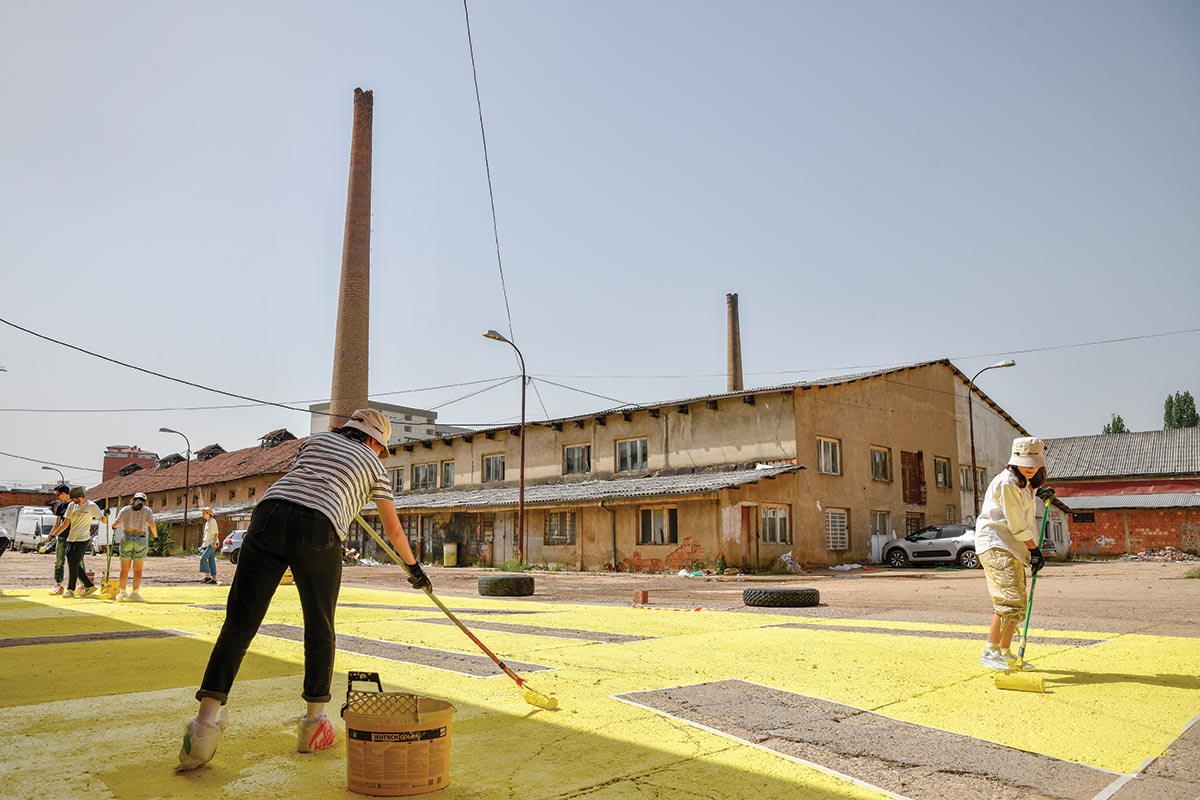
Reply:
x=521 y=477
x=187 y=478
x=971 y=421
x=62 y=480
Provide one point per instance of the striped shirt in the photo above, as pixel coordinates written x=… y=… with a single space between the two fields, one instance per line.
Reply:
x=134 y=520
x=333 y=475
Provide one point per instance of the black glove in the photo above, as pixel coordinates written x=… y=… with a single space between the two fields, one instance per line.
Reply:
x=1036 y=560
x=417 y=577
x=1046 y=493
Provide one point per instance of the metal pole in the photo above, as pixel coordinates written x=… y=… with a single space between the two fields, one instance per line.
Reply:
x=62 y=479
x=187 y=478
x=971 y=424
x=521 y=548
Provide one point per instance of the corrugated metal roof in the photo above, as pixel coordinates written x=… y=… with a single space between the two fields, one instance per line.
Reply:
x=1109 y=455
x=1167 y=500
x=592 y=491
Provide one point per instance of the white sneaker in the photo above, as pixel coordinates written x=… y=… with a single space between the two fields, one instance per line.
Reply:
x=122 y=596
x=57 y=589
x=136 y=597
x=314 y=734
x=992 y=659
x=200 y=742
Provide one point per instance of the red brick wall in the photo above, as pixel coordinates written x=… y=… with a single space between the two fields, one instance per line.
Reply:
x=19 y=498
x=1149 y=529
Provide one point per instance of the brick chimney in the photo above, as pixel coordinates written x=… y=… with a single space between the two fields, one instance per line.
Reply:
x=734 y=345
x=349 y=391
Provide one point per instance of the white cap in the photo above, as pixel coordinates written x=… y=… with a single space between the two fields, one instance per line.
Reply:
x=372 y=423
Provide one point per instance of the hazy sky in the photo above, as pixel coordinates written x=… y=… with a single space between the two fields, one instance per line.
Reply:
x=880 y=182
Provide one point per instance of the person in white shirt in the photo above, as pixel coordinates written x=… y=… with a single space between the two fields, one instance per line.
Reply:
x=209 y=543
x=1006 y=542
x=79 y=517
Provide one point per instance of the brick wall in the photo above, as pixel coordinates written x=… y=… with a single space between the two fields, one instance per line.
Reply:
x=1149 y=529
x=20 y=498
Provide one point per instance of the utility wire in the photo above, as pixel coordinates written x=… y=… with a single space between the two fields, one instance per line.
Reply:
x=50 y=463
x=487 y=164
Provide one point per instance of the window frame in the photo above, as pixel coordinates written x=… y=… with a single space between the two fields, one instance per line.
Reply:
x=843 y=534
x=447 y=484
x=886 y=461
x=555 y=522
x=943 y=477
x=645 y=454
x=670 y=520
x=429 y=476
x=774 y=523
x=587 y=456
x=483 y=471
x=397 y=480
x=876 y=516
x=835 y=451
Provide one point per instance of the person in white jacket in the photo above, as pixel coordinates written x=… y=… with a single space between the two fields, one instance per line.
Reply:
x=1006 y=542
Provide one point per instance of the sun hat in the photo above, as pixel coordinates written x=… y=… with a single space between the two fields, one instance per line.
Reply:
x=372 y=423
x=1027 y=451
x=140 y=496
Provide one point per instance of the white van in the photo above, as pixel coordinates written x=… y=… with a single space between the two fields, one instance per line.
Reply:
x=26 y=525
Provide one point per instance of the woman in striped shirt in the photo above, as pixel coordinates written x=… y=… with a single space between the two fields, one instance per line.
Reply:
x=300 y=523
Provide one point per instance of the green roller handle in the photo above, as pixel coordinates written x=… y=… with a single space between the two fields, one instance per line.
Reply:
x=1033 y=583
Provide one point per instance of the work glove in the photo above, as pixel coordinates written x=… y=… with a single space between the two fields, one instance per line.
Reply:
x=1046 y=494
x=417 y=577
x=1036 y=560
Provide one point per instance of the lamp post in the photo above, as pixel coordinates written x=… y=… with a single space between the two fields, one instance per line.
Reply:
x=187 y=478
x=521 y=477
x=61 y=478
x=971 y=422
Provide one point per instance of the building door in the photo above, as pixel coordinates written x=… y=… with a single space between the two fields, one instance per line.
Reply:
x=503 y=539
x=912 y=475
x=749 y=550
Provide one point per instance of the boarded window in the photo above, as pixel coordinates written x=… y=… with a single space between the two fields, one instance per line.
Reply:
x=560 y=528
x=912 y=474
x=659 y=526
x=837 y=529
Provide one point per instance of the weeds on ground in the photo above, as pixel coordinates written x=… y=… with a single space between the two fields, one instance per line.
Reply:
x=515 y=565
x=1192 y=573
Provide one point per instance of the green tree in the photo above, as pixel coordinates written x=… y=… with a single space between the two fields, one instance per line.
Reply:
x=1117 y=425
x=1179 y=411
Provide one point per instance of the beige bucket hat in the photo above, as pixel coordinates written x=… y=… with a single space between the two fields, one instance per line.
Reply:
x=1028 y=451
x=372 y=423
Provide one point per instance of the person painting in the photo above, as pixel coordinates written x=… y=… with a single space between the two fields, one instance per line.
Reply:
x=79 y=517
x=300 y=523
x=137 y=521
x=209 y=542
x=1006 y=541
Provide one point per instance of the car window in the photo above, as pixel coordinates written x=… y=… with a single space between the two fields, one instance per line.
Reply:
x=926 y=535
x=950 y=533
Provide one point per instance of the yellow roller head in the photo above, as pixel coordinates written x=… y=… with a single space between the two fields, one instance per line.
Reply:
x=540 y=700
x=1020 y=681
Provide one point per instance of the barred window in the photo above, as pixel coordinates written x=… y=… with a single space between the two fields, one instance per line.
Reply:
x=560 y=528
x=837 y=529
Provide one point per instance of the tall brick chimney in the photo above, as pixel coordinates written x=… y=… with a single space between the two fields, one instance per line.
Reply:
x=734 y=345
x=350 y=347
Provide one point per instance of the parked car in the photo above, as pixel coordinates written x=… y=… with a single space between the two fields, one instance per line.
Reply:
x=232 y=546
x=27 y=526
x=935 y=544
x=4 y=541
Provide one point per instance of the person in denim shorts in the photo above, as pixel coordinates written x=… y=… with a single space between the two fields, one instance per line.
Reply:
x=137 y=520
x=301 y=523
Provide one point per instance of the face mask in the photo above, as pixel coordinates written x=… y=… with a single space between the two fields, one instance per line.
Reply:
x=137 y=505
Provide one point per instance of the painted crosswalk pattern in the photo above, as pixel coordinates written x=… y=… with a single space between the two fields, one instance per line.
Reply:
x=717 y=704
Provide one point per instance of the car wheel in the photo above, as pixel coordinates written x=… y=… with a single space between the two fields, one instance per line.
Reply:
x=781 y=598
x=897 y=558
x=505 y=585
x=968 y=559
x=233 y=557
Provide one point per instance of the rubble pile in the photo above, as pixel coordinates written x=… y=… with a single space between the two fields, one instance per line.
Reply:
x=1164 y=555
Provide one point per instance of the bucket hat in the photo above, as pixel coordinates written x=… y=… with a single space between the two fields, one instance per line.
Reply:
x=372 y=423
x=1028 y=451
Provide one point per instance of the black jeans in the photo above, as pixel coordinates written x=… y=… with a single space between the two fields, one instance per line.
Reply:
x=75 y=568
x=281 y=535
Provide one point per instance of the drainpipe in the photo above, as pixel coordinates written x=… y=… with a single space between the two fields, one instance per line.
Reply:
x=613 y=515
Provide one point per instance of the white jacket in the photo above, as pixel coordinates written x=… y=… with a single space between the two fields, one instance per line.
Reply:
x=1007 y=518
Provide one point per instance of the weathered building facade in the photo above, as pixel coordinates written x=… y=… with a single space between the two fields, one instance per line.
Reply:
x=845 y=464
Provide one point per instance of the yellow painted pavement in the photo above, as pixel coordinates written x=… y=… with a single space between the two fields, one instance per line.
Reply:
x=103 y=719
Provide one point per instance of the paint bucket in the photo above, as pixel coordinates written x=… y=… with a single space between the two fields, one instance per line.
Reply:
x=396 y=744
x=450 y=554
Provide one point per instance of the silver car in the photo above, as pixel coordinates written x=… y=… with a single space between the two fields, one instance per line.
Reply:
x=935 y=544
x=232 y=545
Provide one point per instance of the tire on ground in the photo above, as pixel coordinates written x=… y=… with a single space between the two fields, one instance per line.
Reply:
x=505 y=585
x=781 y=598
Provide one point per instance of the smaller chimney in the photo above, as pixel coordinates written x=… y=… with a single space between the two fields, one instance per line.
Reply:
x=734 y=346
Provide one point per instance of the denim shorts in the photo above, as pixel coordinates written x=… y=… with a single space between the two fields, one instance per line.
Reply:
x=134 y=547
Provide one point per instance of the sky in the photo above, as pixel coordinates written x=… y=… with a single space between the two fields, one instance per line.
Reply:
x=881 y=183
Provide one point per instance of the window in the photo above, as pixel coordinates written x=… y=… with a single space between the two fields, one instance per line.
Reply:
x=560 y=528
x=1083 y=516
x=964 y=479
x=980 y=477
x=631 y=455
x=951 y=514
x=233 y=494
x=408 y=428
x=1056 y=530
x=773 y=524
x=424 y=476
x=912 y=477
x=179 y=500
x=881 y=523
x=493 y=468
x=212 y=497
x=837 y=529
x=447 y=474
x=829 y=456
x=913 y=522
x=941 y=472
x=659 y=525
x=881 y=464
x=251 y=492
x=577 y=459
x=397 y=480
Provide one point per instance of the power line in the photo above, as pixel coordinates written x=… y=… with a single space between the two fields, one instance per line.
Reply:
x=50 y=463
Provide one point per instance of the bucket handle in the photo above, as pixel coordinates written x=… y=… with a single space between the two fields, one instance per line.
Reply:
x=360 y=677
